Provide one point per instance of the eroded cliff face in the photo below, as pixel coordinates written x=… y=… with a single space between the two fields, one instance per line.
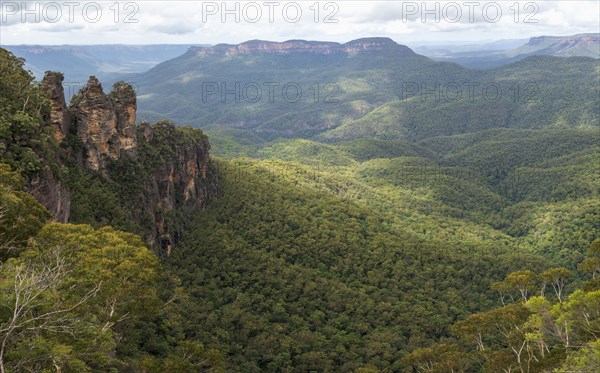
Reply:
x=45 y=186
x=59 y=118
x=184 y=170
x=181 y=180
x=175 y=161
x=105 y=124
x=125 y=106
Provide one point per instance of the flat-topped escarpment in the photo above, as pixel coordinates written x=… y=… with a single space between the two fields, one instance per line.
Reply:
x=300 y=46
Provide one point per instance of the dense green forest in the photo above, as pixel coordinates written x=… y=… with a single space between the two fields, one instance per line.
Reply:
x=537 y=329
x=292 y=278
x=370 y=247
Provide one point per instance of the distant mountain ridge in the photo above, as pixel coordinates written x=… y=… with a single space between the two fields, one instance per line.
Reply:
x=584 y=45
x=580 y=45
x=366 y=88
x=106 y=60
x=299 y=46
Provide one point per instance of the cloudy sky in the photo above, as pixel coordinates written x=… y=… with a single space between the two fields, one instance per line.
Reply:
x=208 y=22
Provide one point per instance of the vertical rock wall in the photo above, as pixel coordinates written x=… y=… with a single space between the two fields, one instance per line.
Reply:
x=105 y=125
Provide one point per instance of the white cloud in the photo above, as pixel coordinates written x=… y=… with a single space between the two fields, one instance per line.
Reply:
x=151 y=22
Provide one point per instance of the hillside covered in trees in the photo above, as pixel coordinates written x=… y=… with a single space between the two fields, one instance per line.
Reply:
x=418 y=237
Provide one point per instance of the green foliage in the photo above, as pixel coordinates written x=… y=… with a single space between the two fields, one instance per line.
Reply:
x=95 y=201
x=22 y=107
x=307 y=152
x=21 y=216
x=287 y=276
x=533 y=334
x=427 y=193
x=83 y=299
x=117 y=262
x=540 y=187
x=591 y=264
x=365 y=149
x=560 y=231
x=67 y=298
x=586 y=359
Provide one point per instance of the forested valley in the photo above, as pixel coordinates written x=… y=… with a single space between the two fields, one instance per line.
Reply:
x=415 y=237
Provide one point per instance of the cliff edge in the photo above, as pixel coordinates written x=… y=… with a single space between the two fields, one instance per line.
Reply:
x=157 y=170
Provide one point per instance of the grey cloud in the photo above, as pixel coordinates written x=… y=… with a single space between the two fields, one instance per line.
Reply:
x=60 y=27
x=174 y=28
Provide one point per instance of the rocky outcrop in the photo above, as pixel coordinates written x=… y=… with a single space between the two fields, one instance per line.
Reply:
x=174 y=161
x=185 y=166
x=44 y=185
x=181 y=180
x=105 y=124
x=125 y=106
x=59 y=117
